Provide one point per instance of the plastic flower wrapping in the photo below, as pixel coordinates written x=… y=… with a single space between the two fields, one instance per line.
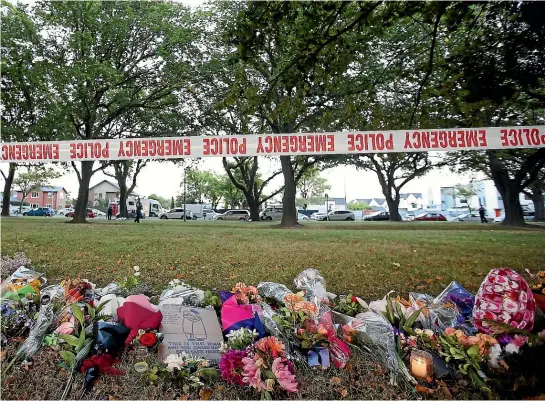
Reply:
x=182 y=293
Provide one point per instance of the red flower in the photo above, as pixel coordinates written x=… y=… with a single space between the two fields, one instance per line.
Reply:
x=354 y=299
x=148 y=339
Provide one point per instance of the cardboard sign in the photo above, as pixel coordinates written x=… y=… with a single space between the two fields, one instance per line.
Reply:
x=422 y=140
x=193 y=330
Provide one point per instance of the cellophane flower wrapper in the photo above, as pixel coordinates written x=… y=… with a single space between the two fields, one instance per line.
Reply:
x=275 y=330
x=274 y=291
x=313 y=283
x=435 y=316
x=45 y=317
x=455 y=293
x=22 y=274
x=112 y=288
x=182 y=294
x=376 y=333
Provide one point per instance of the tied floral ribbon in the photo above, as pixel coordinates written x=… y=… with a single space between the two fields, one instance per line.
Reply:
x=318 y=356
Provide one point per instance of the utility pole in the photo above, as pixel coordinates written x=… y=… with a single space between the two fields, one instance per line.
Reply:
x=185 y=190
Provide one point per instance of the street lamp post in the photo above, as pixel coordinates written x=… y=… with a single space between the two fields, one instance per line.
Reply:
x=185 y=190
x=326 y=207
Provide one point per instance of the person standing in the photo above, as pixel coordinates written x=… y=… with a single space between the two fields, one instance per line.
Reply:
x=110 y=210
x=481 y=214
x=138 y=210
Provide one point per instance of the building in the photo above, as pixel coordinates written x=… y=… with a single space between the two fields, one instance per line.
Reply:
x=106 y=191
x=408 y=202
x=53 y=197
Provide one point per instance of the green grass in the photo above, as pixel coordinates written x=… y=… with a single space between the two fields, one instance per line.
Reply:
x=368 y=259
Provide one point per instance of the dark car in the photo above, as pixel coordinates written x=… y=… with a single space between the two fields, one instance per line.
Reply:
x=90 y=214
x=431 y=217
x=382 y=216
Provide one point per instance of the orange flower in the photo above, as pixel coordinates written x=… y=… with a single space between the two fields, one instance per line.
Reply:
x=291 y=299
x=449 y=331
x=271 y=346
x=239 y=287
x=306 y=307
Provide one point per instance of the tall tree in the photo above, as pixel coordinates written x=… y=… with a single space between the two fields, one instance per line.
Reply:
x=22 y=83
x=124 y=170
x=250 y=183
x=111 y=60
x=32 y=179
x=495 y=71
x=466 y=192
x=297 y=54
x=312 y=185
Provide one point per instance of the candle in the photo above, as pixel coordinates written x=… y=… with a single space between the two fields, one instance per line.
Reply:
x=421 y=364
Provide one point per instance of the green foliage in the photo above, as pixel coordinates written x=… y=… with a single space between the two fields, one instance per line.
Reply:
x=311 y=185
x=35 y=177
x=210 y=299
x=396 y=317
x=359 y=206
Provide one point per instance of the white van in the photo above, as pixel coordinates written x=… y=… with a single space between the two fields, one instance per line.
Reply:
x=272 y=213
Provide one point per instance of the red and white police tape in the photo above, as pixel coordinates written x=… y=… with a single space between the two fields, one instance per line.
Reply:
x=277 y=144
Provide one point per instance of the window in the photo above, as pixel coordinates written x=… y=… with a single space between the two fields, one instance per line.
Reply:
x=34 y=205
x=50 y=195
x=61 y=195
x=463 y=201
x=34 y=194
x=100 y=196
x=48 y=205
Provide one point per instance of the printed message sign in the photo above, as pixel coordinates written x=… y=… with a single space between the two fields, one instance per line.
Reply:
x=193 y=330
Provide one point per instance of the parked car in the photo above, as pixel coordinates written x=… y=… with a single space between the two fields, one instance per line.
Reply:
x=301 y=216
x=381 y=216
x=466 y=217
x=500 y=218
x=409 y=217
x=64 y=211
x=431 y=217
x=208 y=214
x=234 y=215
x=337 y=215
x=176 y=213
x=98 y=213
x=90 y=214
x=272 y=213
x=317 y=215
x=40 y=211
x=14 y=210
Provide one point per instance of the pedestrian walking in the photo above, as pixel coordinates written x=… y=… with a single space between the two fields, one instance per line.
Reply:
x=138 y=210
x=110 y=210
x=481 y=214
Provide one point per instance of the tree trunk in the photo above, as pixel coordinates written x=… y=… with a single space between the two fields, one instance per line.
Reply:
x=539 y=206
x=393 y=208
x=289 y=216
x=7 y=190
x=254 y=209
x=123 y=200
x=80 y=210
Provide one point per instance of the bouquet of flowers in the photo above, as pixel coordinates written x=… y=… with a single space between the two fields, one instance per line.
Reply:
x=537 y=282
x=239 y=339
x=349 y=305
x=299 y=317
x=267 y=369
x=187 y=370
x=246 y=294
x=148 y=338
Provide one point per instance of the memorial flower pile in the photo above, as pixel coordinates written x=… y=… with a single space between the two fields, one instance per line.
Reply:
x=271 y=334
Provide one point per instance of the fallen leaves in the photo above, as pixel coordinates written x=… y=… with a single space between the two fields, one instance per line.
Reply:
x=343 y=392
x=206 y=393
x=335 y=380
x=424 y=390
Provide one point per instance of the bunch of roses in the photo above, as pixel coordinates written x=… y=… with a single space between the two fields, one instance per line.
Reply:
x=262 y=366
x=295 y=303
x=185 y=369
x=348 y=305
x=246 y=294
x=483 y=341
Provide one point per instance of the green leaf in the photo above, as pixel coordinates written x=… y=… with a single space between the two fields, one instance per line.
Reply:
x=410 y=321
x=390 y=310
x=69 y=339
x=64 y=365
x=78 y=314
x=91 y=311
x=68 y=357
x=473 y=351
x=82 y=354
x=101 y=306
x=81 y=341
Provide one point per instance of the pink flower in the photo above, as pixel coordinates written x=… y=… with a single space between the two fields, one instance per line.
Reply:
x=252 y=374
x=286 y=379
x=519 y=341
x=449 y=331
x=232 y=366
x=66 y=327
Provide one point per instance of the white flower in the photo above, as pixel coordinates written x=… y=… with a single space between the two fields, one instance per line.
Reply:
x=511 y=348
x=418 y=331
x=136 y=268
x=428 y=332
x=494 y=352
x=223 y=347
x=175 y=361
x=136 y=274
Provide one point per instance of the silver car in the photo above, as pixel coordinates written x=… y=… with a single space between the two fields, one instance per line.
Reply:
x=234 y=215
x=176 y=213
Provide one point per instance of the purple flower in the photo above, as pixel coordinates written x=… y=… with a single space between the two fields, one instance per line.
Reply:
x=504 y=339
x=232 y=367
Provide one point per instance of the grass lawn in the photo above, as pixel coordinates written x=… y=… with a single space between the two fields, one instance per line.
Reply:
x=368 y=259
